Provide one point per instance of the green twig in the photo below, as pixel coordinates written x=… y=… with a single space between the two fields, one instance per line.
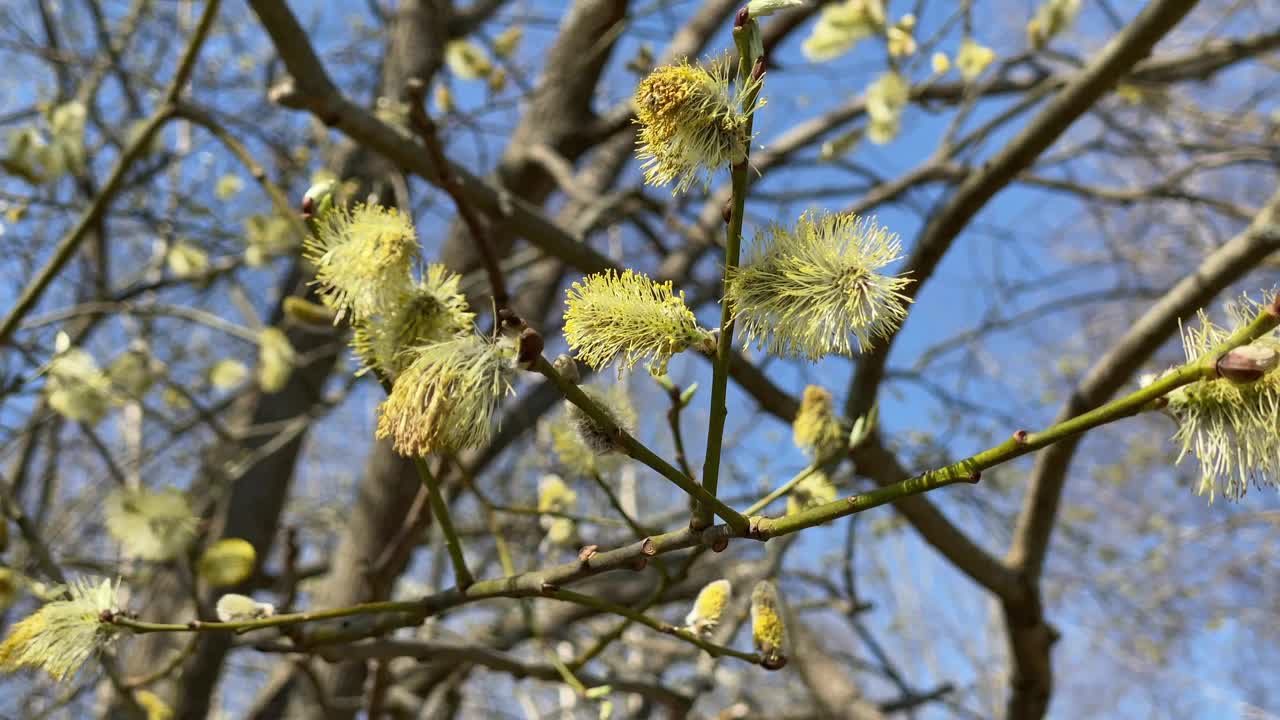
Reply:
x=663 y=627
x=1023 y=442
x=141 y=627
x=781 y=490
x=440 y=509
x=732 y=254
x=637 y=450
x=640 y=531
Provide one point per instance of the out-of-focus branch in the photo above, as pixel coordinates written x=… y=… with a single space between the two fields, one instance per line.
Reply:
x=70 y=243
x=1029 y=636
x=1079 y=94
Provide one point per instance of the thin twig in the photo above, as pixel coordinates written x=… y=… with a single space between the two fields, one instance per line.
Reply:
x=417 y=89
x=441 y=511
x=732 y=251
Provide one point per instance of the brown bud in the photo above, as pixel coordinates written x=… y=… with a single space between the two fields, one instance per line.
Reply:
x=1247 y=364
x=588 y=552
x=774 y=661
x=509 y=320
x=530 y=348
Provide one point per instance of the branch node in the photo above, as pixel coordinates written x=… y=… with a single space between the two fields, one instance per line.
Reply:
x=1020 y=437
x=648 y=547
x=530 y=348
x=588 y=552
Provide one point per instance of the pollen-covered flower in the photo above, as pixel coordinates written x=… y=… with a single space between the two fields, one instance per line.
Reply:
x=817 y=429
x=817 y=289
x=886 y=100
x=973 y=59
x=694 y=121
x=153 y=705
x=767 y=628
x=133 y=372
x=305 y=312
x=77 y=388
x=708 y=607
x=1051 y=18
x=238 y=608
x=447 y=395
x=628 y=315
x=227 y=373
x=506 y=42
x=363 y=258
x=1231 y=427
x=561 y=531
x=186 y=260
x=840 y=26
x=899 y=38
x=435 y=310
x=268 y=236
x=276 y=358
x=814 y=490
x=148 y=524
x=467 y=60
x=228 y=562
x=940 y=62
x=60 y=636
x=555 y=495
x=580 y=444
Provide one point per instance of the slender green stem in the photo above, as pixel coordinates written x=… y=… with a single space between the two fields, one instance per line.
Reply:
x=637 y=450
x=724 y=346
x=673 y=420
x=666 y=628
x=781 y=490
x=141 y=627
x=640 y=531
x=440 y=509
x=1022 y=442
x=604 y=641
x=517 y=510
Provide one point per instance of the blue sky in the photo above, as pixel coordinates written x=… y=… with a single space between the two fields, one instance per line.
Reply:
x=1019 y=238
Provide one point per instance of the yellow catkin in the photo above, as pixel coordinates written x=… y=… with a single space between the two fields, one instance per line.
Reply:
x=767 y=627
x=709 y=606
x=818 y=289
x=817 y=428
x=628 y=317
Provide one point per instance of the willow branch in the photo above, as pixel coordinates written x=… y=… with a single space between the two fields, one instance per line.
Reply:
x=637 y=450
x=441 y=510
x=70 y=243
